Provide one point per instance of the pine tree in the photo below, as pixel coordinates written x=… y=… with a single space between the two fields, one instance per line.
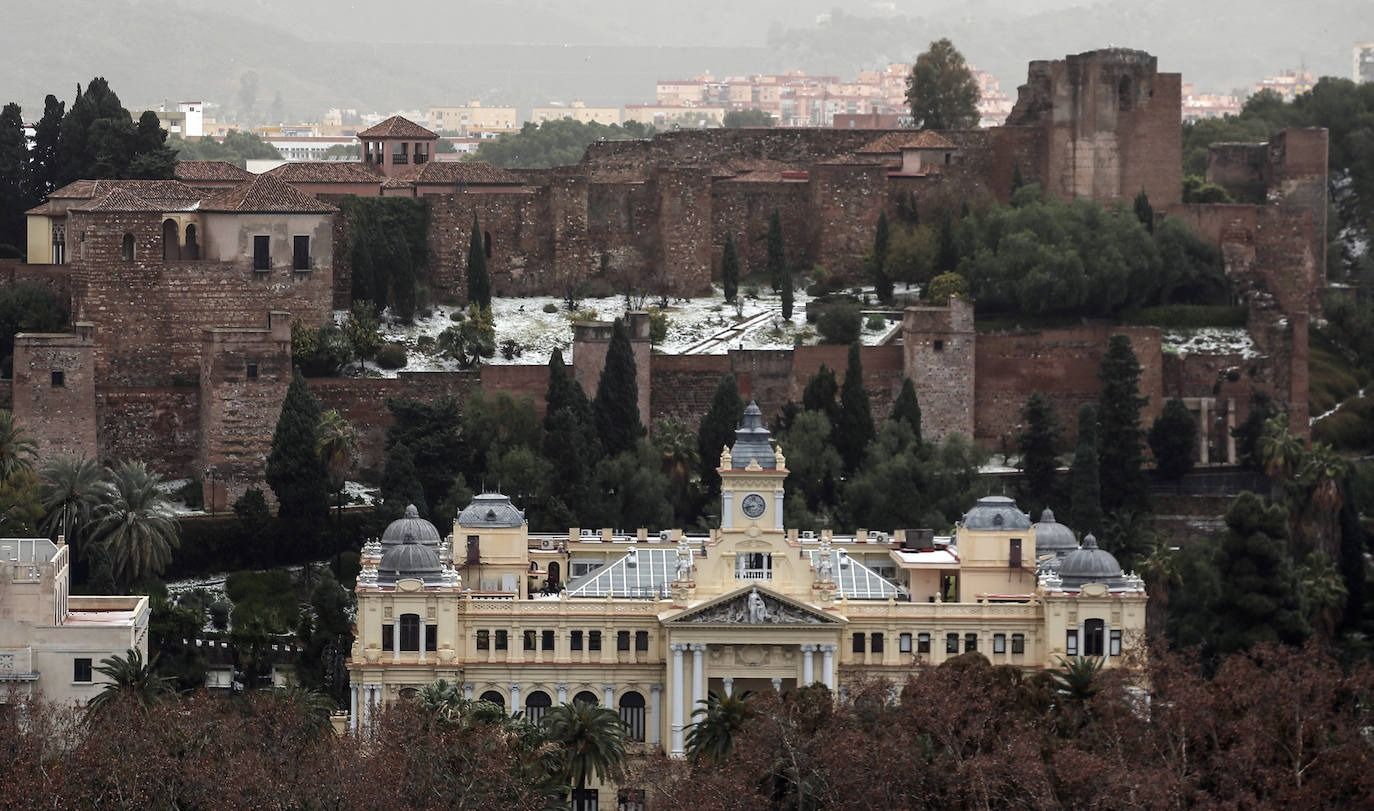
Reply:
x=854 y=426
x=401 y=483
x=479 y=280
x=882 y=282
x=1039 y=446
x=1173 y=440
x=559 y=394
x=295 y=471
x=1123 y=480
x=1085 y=483
x=787 y=293
x=906 y=409
x=717 y=430
x=43 y=172
x=1144 y=211
x=941 y=91
x=1259 y=597
x=14 y=199
x=617 y=396
x=777 y=257
x=822 y=393
x=729 y=268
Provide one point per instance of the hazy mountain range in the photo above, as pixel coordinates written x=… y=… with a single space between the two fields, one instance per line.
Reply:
x=317 y=54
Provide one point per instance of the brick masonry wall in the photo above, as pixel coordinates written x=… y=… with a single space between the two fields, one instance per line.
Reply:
x=939 y=347
x=159 y=425
x=58 y=415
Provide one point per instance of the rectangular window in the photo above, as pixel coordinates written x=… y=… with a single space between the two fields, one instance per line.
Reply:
x=999 y=643
x=641 y=640
x=81 y=670
x=876 y=643
x=484 y=640
x=1093 y=642
x=1115 y=649
x=951 y=643
x=630 y=799
x=622 y=640
x=1014 y=554
x=431 y=637
x=904 y=643
x=858 y=643
x=923 y=643
x=584 y=799
x=474 y=550
x=388 y=637
x=251 y=371
x=546 y=639
x=576 y=640
x=502 y=640
x=410 y=632
x=970 y=643
x=1071 y=643
x=530 y=639
x=59 y=379
x=262 y=252
x=593 y=640
x=1018 y=643
x=300 y=253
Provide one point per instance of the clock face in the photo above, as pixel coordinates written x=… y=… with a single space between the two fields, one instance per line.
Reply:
x=753 y=505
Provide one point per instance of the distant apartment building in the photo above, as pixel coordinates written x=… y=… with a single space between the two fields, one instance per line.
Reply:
x=185 y=119
x=51 y=642
x=1288 y=84
x=473 y=119
x=1197 y=106
x=577 y=111
x=681 y=117
x=1364 y=62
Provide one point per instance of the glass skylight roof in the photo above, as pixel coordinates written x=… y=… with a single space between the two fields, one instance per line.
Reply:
x=855 y=580
x=643 y=572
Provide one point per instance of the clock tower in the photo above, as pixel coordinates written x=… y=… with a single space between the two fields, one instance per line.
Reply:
x=751 y=477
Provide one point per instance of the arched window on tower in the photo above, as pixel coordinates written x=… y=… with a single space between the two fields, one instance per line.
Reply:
x=126 y=248
x=192 y=247
x=171 y=246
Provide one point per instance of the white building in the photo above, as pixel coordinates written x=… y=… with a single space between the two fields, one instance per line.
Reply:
x=1364 y=62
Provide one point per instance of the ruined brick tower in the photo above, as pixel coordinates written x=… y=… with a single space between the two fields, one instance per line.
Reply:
x=54 y=391
x=939 y=345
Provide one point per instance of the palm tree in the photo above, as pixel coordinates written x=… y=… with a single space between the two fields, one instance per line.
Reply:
x=593 y=742
x=1160 y=570
x=16 y=448
x=1320 y=474
x=679 y=448
x=315 y=708
x=443 y=701
x=1323 y=591
x=712 y=736
x=1280 y=451
x=1076 y=679
x=72 y=489
x=136 y=526
x=129 y=678
x=336 y=443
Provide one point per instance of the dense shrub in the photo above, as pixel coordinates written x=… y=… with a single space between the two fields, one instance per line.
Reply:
x=392 y=356
x=1188 y=316
x=840 y=323
x=27 y=307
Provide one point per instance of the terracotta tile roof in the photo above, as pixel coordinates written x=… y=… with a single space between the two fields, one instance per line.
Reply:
x=890 y=142
x=397 y=127
x=210 y=170
x=326 y=172
x=448 y=173
x=118 y=199
x=146 y=189
x=265 y=194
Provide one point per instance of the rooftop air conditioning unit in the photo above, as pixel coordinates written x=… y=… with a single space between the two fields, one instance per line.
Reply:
x=809 y=535
x=546 y=543
x=663 y=535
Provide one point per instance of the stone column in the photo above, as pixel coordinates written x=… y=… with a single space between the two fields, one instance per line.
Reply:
x=514 y=698
x=828 y=665
x=698 y=675
x=562 y=692
x=655 y=702
x=729 y=685
x=396 y=641
x=353 y=708
x=608 y=696
x=808 y=665
x=675 y=697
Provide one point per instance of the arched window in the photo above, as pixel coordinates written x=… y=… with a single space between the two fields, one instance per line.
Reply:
x=409 y=693
x=586 y=697
x=632 y=714
x=494 y=697
x=192 y=249
x=1125 y=94
x=410 y=632
x=536 y=705
x=486 y=243
x=1093 y=631
x=554 y=573
x=171 y=245
x=126 y=248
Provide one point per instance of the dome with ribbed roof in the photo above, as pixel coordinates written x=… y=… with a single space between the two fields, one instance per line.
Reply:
x=410 y=559
x=411 y=524
x=1090 y=564
x=996 y=514
x=752 y=442
x=1052 y=536
x=491 y=511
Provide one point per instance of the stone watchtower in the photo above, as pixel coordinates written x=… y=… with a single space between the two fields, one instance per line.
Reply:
x=591 y=341
x=54 y=391
x=938 y=348
x=395 y=145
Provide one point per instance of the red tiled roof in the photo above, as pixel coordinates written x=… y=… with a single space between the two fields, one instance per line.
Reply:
x=146 y=189
x=448 y=173
x=118 y=199
x=890 y=142
x=265 y=194
x=326 y=172
x=397 y=127
x=210 y=170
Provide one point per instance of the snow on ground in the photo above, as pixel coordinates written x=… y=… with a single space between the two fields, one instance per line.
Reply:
x=172 y=489
x=1314 y=420
x=1210 y=341
x=359 y=493
x=697 y=326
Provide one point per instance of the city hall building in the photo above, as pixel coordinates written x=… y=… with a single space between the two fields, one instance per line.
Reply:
x=651 y=623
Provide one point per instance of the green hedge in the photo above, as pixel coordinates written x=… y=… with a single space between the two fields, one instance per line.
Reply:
x=1187 y=316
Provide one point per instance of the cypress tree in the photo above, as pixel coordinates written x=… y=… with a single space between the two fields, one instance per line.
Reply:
x=717 y=430
x=1039 y=446
x=44 y=171
x=479 y=280
x=882 y=283
x=1123 y=480
x=617 y=396
x=152 y=159
x=1085 y=497
x=854 y=427
x=1144 y=211
x=1351 y=561
x=947 y=249
x=777 y=257
x=907 y=409
x=1173 y=440
x=787 y=293
x=729 y=268
x=14 y=156
x=1259 y=599
x=559 y=394
x=821 y=392
x=401 y=483
x=295 y=472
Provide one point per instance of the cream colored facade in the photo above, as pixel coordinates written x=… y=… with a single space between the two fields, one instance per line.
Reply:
x=50 y=641
x=577 y=111
x=474 y=119
x=651 y=623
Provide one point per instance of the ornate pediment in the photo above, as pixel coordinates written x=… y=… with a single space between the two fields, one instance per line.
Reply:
x=753 y=606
